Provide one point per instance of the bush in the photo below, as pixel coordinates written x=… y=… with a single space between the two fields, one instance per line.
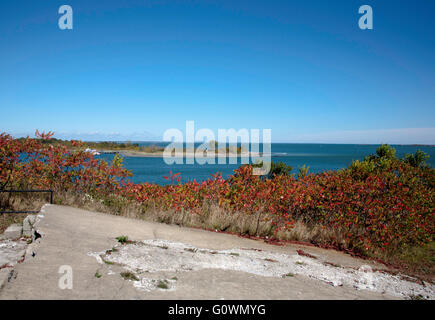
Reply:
x=279 y=169
x=418 y=159
x=303 y=171
x=32 y=164
x=386 y=151
x=276 y=169
x=376 y=206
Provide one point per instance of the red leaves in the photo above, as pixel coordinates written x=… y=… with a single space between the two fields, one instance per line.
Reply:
x=175 y=176
x=34 y=163
x=374 y=210
x=43 y=135
x=305 y=254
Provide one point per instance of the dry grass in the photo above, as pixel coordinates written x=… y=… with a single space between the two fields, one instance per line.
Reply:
x=415 y=260
x=212 y=217
x=418 y=260
x=6 y=219
x=18 y=202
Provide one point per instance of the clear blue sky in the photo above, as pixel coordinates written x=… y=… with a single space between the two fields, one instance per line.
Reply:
x=301 y=68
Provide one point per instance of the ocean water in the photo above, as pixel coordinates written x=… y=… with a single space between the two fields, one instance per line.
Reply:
x=319 y=157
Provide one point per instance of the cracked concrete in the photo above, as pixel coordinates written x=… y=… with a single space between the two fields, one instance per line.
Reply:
x=145 y=258
x=15 y=246
x=80 y=239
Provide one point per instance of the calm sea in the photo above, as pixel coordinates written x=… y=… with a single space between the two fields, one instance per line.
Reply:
x=319 y=157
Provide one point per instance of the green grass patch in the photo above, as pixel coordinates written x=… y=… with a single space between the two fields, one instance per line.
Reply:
x=122 y=239
x=162 y=285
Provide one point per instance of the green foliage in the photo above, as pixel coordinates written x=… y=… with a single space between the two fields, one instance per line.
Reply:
x=417 y=159
x=162 y=284
x=276 y=169
x=279 y=168
x=385 y=160
x=117 y=161
x=231 y=148
x=122 y=239
x=362 y=169
x=303 y=171
x=386 y=151
x=103 y=145
x=127 y=275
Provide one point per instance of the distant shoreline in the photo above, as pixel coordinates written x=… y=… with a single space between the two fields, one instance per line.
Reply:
x=141 y=154
x=325 y=143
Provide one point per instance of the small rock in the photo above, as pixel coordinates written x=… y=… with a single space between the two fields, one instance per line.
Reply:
x=14 y=231
x=28 y=225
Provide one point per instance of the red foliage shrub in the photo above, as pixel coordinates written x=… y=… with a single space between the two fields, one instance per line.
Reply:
x=378 y=203
x=27 y=163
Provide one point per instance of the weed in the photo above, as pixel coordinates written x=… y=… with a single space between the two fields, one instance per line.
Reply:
x=127 y=275
x=162 y=285
x=417 y=297
x=106 y=261
x=122 y=239
x=288 y=275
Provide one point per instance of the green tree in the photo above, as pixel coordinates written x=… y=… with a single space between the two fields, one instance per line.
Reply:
x=279 y=168
x=386 y=151
x=276 y=169
x=417 y=159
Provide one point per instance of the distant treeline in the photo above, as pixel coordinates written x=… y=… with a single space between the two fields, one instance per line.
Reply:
x=105 y=145
x=129 y=146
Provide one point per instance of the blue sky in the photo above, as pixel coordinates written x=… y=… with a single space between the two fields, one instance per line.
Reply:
x=301 y=68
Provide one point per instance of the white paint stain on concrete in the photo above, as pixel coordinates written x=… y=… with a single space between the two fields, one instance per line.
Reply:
x=11 y=252
x=151 y=256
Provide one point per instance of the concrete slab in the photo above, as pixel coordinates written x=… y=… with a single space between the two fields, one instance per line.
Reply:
x=74 y=243
x=4 y=274
x=11 y=252
x=14 y=231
